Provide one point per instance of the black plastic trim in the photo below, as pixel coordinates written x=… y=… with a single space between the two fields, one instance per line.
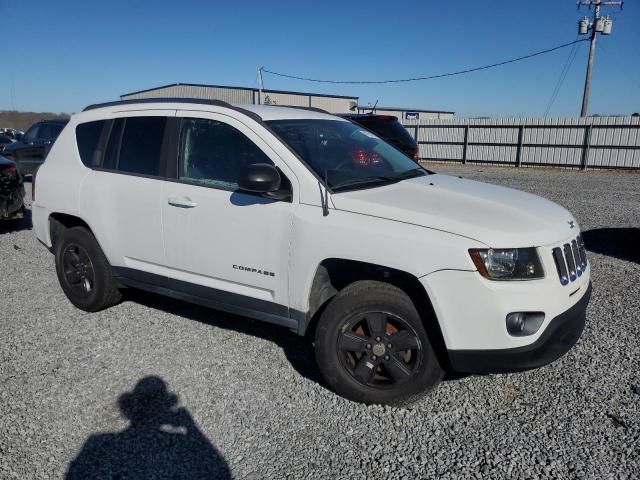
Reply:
x=218 y=103
x=189 y=101
x=210 y=297
x=558 y=338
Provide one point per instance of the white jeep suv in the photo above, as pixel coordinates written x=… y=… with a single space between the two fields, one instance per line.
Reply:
x=306 y=220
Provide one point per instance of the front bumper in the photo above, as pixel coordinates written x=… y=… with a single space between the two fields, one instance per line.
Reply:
x=560 y=335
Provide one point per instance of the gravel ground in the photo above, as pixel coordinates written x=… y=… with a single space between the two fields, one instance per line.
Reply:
x=243 y=399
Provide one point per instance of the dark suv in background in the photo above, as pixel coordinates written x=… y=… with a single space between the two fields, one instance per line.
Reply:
x=389 y=129
x=31 y=150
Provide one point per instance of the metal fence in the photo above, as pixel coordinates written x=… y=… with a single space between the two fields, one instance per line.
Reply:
x=592 y=142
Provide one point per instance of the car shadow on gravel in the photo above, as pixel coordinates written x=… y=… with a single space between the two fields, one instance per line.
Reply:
x=162 y=441
x=620 y=243
x=298 y=350
x=10 y=226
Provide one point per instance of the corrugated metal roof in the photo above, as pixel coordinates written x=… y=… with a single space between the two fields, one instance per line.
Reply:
x=237 y=88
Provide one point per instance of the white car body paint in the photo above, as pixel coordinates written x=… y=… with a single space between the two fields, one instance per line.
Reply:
x=422 y=226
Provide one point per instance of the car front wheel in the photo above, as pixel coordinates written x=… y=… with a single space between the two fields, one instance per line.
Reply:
x=372 y=347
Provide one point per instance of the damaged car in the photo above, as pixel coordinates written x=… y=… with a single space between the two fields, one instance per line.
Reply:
x=11 y=190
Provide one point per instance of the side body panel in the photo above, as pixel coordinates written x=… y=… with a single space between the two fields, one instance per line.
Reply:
x=58 y=181
x=345 y=235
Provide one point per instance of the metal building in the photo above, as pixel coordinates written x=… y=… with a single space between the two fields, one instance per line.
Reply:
x=330 y=103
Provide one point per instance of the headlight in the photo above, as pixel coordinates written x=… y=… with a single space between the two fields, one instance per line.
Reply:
x=507 y=263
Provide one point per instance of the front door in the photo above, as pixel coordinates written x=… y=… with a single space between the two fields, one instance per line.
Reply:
x=221 y=243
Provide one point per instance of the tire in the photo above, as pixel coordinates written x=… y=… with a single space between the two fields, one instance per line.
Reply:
x=84 y=272
x=357 y=365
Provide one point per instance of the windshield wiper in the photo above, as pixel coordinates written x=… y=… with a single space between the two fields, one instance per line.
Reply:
x=414 y=172
x=363 y=181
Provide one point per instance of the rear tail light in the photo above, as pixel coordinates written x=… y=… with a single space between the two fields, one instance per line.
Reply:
x=416 y=153
x=365 y=158
x=9 y=171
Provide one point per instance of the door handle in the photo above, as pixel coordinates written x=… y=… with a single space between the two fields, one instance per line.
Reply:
x=182 y=202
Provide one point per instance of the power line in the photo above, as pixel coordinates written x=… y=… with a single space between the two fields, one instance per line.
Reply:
x=620 y=67
x=429 y=77
x=563 y=74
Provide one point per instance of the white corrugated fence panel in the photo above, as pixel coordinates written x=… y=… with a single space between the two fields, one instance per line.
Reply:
x=546 y=141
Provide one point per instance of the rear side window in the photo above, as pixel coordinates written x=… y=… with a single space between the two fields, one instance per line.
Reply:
x=88 y=138
x=135 y=145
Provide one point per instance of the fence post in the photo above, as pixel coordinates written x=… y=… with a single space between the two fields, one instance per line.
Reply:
x=466 y=143
x=585 y=146
x=519 y=149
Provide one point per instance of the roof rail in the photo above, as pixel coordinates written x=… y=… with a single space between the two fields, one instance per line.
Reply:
x=218 y=103
x=195 y=101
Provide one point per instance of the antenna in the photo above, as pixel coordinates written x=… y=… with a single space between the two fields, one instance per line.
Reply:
x=325 y=203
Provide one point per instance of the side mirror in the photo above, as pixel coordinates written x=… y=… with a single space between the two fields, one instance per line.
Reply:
x=260 y=178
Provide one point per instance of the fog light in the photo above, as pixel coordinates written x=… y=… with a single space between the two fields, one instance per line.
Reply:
x=521 y=324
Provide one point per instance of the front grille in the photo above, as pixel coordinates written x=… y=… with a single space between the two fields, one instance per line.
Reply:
x=571 y=260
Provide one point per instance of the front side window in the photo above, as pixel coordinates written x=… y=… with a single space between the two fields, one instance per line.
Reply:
x=347 y=155
x=135 y=145
x=215 y=154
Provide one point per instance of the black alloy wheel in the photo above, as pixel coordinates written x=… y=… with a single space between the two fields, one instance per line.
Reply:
x=372 y=346
x=78 y=269
x=379 y=349
x=83 y=270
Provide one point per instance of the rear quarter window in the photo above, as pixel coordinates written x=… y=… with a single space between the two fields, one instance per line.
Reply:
x=390 y=130
x=88 y=139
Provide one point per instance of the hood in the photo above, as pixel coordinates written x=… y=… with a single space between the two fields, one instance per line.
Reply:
x=497 y=216
x=9 y=147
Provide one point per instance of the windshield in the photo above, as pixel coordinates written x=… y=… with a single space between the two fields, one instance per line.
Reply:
x=30 y=136
x=347 y=155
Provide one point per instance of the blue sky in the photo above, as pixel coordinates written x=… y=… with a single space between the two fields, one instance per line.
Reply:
x=62 y=55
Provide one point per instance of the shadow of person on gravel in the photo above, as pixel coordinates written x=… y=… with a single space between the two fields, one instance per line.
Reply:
x=620 y=243
x=298 y=350
x=162 y=441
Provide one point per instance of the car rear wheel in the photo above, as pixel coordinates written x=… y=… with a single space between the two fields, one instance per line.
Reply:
x=84 y=272
x=371 y=346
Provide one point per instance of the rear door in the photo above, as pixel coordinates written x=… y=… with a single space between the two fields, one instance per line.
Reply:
x=121 y=197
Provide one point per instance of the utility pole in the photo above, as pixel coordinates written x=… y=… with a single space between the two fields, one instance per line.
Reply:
x=260 y=86
x=600 y=25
